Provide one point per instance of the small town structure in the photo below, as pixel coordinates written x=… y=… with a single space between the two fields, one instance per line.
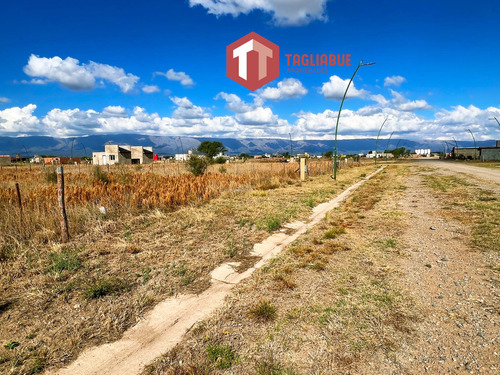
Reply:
x=423 y=152
x=371 y=155
x=56 y=160
x=5 y=160
x=183 y=157
x=466 y=152
x=118 y=154
x=481 y=153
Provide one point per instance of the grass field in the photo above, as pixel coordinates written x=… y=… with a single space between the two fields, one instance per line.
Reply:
x=57 y=299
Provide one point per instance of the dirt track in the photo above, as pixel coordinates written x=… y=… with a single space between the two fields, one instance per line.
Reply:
x=489 y=175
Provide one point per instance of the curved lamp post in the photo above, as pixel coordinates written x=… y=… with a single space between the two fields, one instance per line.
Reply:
x=378 y=135
x=338 y=117
x=494 y=118
x=387 y=145
x=474 y=139
x=456 y=146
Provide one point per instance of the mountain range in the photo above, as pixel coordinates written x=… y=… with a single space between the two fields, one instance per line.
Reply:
x=169 y=145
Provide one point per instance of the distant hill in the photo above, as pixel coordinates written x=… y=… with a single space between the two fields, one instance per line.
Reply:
x=166 y=145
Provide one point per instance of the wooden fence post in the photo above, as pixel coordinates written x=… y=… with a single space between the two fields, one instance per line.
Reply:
x=62 y=206
x=20 y=204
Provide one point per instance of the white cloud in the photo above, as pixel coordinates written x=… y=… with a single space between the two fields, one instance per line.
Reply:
x=150 y=89
x=403 y=104
x=286 y=89
x=187 y=110
x=394 y=81
x=234 y=103
x=291 y=12
x=181 y=77
x=3 y=99
x=257 y=116
x=71 y=74
x=18 y=121
x=254 y=120
x=114 y=111
x=34 y=81
x=335 y=89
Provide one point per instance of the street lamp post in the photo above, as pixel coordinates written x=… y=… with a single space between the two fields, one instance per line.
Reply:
x=338 y=117
x=494 y=118
x=387 y=145
x=474 y=139
x=378 y=135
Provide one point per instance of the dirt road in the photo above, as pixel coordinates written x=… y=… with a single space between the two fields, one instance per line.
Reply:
x=489 y=175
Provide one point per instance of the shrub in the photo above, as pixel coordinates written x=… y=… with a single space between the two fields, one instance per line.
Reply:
x=99 y=175
x=51 y=175
x=197 y=165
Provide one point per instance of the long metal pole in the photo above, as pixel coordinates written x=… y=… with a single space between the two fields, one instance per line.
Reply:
x=337 y=125
x=291 y=145
x=387 y=145
x=498 y=122
x=378 y=135
x=475 y=148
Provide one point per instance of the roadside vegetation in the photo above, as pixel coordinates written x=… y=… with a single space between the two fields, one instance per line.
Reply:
x=57 y=299
x=326 y=303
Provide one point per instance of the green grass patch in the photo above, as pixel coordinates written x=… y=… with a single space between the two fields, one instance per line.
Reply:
x=101 y=288
x=65 y=261
x=222 y=355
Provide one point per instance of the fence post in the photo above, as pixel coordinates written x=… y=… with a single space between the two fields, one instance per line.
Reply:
x=20 y=204
x=62 y=206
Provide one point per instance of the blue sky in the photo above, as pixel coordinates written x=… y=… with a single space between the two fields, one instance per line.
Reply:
x=158 y=67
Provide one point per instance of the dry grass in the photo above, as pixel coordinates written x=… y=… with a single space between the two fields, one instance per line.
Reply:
x=56 y=300
x=345 y=305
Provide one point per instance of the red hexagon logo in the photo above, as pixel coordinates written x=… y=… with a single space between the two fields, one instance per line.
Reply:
x=253 y=61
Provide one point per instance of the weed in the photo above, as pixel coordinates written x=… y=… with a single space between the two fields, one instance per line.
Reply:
x=264 y=311
x=11 y=345
x=146 y=273
x=51 y=175
x=273 y=223
x=99 y=175
x=390 y=243
x=65 y=261
x=334 y=232
x=222 y=355
x=104 y=287
x=428 y=265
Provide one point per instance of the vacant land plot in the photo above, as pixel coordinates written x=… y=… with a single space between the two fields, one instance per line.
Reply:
x=402 y=279
x=58 y=299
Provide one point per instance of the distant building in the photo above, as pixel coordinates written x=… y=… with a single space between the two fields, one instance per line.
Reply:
x=60 y=160
x=466 y=152
x=5 y=160
x=481 y=153
x=183 y=157
x=371 y=155
x=114 y=154
x=423 y=152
